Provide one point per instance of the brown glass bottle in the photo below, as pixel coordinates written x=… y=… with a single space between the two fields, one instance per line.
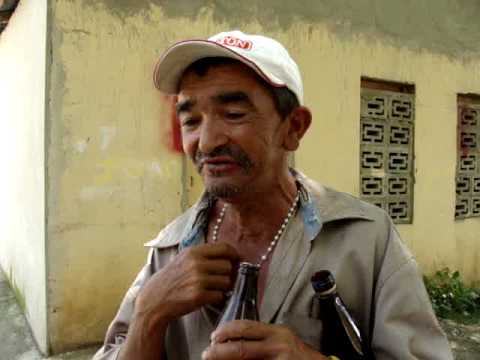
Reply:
x=341 y=336
x=242 y=305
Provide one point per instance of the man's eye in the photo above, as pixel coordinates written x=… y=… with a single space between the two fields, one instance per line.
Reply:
x=189 y=122
x=235 y=115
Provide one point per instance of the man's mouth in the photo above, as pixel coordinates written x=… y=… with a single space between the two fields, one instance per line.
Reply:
x=219 y=164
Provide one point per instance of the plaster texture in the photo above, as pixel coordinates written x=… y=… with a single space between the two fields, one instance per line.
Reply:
x=112 y=181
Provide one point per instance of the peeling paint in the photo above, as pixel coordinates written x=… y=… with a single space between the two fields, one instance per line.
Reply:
x=107 y=133
x=156 y=168
x=80 y=146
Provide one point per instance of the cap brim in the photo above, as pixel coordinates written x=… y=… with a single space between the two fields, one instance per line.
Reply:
x=173 y=63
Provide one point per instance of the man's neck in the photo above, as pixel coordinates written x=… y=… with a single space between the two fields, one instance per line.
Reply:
x=258 y=215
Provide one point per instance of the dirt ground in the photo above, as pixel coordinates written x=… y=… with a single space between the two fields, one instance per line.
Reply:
x=464 y=339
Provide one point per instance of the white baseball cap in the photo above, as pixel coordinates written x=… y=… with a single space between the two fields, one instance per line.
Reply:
x=267 y=57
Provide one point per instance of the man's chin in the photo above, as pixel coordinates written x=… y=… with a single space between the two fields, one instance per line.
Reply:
x=223 y=191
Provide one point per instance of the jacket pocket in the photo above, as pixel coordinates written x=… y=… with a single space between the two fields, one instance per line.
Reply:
x=308 y=329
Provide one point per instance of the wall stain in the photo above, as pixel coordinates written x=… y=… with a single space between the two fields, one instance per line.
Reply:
x=441 y=26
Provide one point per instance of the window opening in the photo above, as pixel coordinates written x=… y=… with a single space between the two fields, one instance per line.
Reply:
x=387 y=119
x=467 y=182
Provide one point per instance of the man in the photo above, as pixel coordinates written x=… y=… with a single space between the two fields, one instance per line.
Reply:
x=240 y=108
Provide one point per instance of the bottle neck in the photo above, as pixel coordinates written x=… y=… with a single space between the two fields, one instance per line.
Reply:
x=331 y=292
x=246 y=285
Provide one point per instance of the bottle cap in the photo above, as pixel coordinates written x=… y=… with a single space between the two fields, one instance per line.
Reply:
x=246 y=267
x=323 y=281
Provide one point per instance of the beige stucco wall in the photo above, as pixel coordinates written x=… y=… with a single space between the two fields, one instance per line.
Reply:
x=113 y=183
x=22 y=215
x=334 y=95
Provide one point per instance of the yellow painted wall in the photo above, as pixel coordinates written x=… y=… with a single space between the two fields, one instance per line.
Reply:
x=22 y=165
x=113 y=183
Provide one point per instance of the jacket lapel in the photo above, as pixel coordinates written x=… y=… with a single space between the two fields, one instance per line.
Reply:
x=319 y=206
x=288 y=259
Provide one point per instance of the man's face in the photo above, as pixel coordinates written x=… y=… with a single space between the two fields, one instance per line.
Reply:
x=231 y=129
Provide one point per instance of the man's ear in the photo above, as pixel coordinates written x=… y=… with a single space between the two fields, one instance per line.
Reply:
x=298 y=123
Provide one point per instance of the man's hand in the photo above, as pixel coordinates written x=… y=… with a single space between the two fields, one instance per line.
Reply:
x=197 y=276
x=244 y=339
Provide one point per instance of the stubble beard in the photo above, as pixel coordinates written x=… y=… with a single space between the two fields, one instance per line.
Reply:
x=225 y=191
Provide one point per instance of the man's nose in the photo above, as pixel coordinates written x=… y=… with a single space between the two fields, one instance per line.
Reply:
x=212 y=135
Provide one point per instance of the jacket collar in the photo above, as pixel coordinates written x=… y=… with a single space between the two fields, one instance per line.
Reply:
x=334 y=205
x=318 y=205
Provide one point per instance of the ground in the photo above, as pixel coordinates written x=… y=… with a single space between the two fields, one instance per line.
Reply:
x=16 y=339
x=464 y=339
x=17 y=342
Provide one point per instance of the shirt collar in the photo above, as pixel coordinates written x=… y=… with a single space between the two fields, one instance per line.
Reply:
x=318 y=206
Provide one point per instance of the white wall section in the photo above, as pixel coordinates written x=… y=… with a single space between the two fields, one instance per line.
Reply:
x=22 y=180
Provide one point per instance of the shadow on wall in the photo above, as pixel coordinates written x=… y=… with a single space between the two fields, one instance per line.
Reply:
x=432 y=24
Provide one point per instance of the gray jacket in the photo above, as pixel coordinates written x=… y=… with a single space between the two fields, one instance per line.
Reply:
x=376 y=276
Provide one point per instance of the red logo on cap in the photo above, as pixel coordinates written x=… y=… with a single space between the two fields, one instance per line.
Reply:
x=233 y=41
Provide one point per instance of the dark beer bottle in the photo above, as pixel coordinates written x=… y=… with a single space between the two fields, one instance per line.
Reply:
x=341 y=336
x=242 y=305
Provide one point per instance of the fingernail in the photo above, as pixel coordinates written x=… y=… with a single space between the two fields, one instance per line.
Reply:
x=213 y=336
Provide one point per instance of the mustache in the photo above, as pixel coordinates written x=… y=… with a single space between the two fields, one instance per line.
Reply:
x=233 y=151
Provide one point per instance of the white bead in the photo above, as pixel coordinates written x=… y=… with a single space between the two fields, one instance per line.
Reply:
x=269 y=249
x=264 y=257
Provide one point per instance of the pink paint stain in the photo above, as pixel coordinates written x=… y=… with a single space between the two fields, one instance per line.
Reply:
x=173 y=136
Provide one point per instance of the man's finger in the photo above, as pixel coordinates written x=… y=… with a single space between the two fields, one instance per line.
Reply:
x=207 y=297
x=217 y=250
x=237 y=350
x=241 y=329
x=218 y=266
x=216 y=282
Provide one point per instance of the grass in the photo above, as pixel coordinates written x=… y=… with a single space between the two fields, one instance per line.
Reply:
x=451 y=298
x=16 y=290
